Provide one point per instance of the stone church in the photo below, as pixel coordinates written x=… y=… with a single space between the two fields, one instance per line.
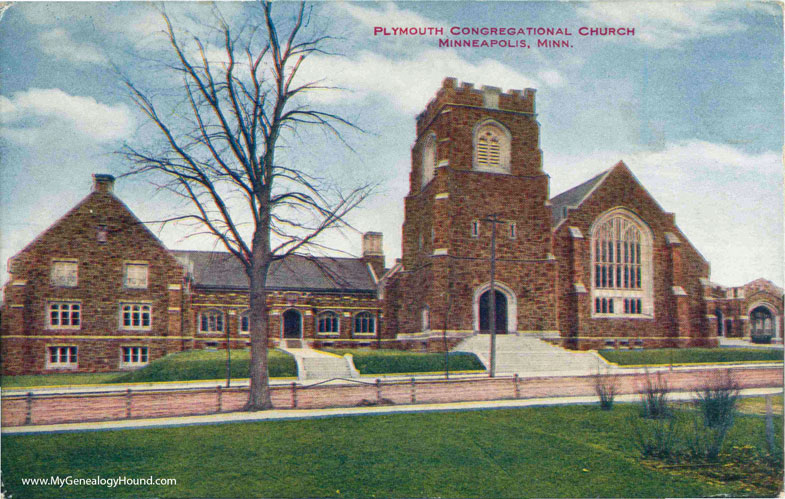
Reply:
x=598 y=266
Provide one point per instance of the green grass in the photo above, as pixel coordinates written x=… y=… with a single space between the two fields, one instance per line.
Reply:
x=690 y=355
x=574 y=451
x=369 y=361
x=207 y=364
x=57 y=379
x=757 y=405
x=181 y=366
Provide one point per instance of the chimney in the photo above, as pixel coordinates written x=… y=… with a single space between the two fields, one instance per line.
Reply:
x=103 y=182
x=373 y=253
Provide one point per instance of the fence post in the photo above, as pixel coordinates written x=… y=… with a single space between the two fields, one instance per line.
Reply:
x=414 y=390
x=378 y=390
x=220 y=397
x=128 y=404
x=294 y=395
x=29 y=415
x=515 y=380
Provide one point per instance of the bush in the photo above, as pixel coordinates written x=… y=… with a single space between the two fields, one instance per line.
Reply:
x=654 y=397
x=717 y=398
x=763 y=339
x=704 y=442
x=606 y=386
x=658 y=438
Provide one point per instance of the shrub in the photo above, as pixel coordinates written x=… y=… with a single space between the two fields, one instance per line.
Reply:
x=606 y=386
x=764 y=339
x=705 y=442
x=658 y=438
x=717 y=398
x=654 y=397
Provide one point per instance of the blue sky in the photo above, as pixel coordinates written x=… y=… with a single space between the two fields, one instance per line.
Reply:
x=693 y=103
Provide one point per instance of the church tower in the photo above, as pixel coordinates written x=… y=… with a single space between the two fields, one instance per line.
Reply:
x=476 y=155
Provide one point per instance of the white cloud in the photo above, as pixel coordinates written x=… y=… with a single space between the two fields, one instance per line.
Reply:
x=727 y=201
x=409 y=82
x=58 y=43
x=44 y=107
x=665 y=24
x=383 y=17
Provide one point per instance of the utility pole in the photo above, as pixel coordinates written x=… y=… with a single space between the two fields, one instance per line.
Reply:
x=493 y=220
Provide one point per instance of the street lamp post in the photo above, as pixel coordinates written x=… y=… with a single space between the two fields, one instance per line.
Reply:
x=493 y=220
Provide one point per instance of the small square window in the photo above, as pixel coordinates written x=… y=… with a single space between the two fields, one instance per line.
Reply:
x=65 y=273
x=62 y=356
x=134 y=355
x=135 y=275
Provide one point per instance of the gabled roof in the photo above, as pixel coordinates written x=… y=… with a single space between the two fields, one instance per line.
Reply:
x=221 y=270
x=574 y=197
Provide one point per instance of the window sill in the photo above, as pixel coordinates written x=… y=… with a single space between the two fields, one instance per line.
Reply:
x=622 y=316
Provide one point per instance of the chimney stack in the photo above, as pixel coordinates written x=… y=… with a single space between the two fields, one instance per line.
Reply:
x=373 y=252
x=103 y=182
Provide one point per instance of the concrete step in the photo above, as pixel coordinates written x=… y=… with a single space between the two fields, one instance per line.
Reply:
x=528 y=354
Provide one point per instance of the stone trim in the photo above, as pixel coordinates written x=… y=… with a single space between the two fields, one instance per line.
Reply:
x=441 y=195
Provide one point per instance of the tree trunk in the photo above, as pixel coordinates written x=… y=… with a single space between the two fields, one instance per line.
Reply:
x=259 y=392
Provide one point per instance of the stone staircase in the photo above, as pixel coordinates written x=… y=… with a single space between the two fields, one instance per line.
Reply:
x=314 y=364
x=525 y=354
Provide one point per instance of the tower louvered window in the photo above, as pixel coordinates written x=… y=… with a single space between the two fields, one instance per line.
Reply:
x=492 y=148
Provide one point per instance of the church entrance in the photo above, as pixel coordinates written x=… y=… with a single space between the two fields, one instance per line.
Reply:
x=762 y=322
x=292 y=324
x=501 y=312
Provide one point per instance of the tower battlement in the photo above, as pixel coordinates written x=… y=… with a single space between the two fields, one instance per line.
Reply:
x=465 y=94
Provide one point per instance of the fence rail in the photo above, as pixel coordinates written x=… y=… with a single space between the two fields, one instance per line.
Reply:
x=39 y=409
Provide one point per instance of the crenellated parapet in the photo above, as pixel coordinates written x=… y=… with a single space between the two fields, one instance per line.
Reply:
x=464 y=94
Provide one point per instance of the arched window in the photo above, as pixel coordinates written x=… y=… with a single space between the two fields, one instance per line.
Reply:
x=621 y=266
x=426 y=318
x=492 y=147
x=211 y=321
x=244 y=322
x=327 y=323
x=364 y=323
x=428 y=159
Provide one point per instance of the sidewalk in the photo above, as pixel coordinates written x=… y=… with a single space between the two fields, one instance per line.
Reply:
x=294 y=414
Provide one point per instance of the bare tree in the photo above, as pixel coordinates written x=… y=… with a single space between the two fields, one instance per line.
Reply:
x=217 y=150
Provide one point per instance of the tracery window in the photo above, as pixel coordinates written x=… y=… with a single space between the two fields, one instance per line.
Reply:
x=621 y=266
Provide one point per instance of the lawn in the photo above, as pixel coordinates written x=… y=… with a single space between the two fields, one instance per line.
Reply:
x=569 y=451
x=690 y=355
x=211 y=364
x=369 y=361
x=181 y=366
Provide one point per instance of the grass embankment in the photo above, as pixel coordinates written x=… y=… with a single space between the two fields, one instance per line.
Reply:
x=369 y=361
x=211 y=364
x=690 y=356
x=181 y=366
x=569 y=451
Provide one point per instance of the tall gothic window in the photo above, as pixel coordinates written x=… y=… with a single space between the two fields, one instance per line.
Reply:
x=428 y=159
x=492 y=148
x=621 y=266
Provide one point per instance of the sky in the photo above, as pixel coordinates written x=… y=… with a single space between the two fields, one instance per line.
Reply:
x=692 y=102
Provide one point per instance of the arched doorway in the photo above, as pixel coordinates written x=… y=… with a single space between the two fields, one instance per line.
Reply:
x=720 y=323
x=761 y=322
x=292 y=324
x=501 y=312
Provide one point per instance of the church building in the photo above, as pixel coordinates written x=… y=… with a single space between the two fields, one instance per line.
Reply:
x=601 y=265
